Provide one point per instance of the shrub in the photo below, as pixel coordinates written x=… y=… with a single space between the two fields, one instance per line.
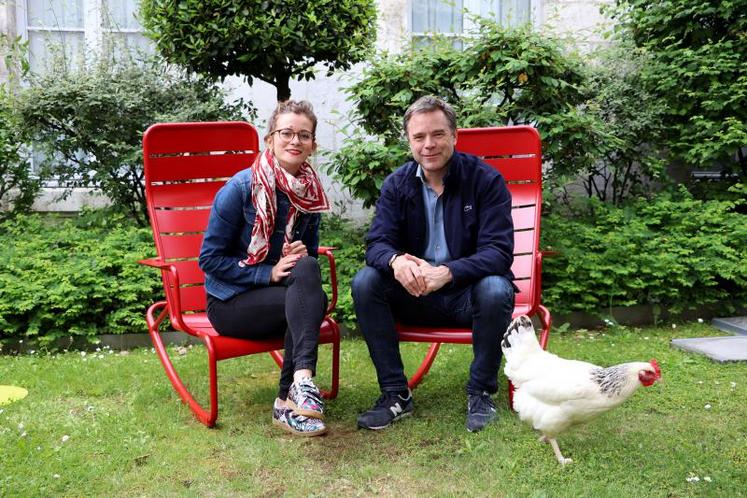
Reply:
x=90 y=121
x=503 y=76
x=672 y=251
x=18 y=187
x=74 y=277
x=697 y=55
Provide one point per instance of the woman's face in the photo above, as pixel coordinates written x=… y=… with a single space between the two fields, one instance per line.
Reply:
x=292 y=140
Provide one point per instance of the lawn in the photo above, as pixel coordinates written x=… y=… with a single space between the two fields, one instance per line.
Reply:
x=108 y=424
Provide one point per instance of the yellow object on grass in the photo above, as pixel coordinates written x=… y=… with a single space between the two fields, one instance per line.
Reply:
x=9 y=394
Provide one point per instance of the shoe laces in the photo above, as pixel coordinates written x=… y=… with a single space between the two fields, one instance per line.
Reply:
x=388 y=399
x=480 y=402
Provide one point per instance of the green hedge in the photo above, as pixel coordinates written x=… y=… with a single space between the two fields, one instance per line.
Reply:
x=61 y=277
x=673 y=251
x=79 y=276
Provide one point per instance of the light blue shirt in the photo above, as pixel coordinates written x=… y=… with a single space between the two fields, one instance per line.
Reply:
x=436 y=250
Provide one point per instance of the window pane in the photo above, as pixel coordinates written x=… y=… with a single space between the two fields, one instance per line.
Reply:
x=514 y=12
x=120 y=14
x=120 y=45
x=54 y=48
x=57 y=14
x=437 y=16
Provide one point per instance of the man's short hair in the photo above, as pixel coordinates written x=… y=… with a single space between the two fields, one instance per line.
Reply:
x=430 y=103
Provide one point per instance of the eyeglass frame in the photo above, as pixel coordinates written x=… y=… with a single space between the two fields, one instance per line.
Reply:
x=294 y=135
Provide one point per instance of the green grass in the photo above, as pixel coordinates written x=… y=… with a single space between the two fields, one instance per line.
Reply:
x=130 y=435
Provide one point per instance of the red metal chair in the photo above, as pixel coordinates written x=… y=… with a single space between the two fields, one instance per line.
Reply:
x=516 y=152
x=185 y=165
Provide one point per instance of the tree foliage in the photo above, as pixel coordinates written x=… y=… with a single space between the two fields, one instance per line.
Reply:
x=503 y=76
x=271 y=41
x=90 y=121
x=698 y=55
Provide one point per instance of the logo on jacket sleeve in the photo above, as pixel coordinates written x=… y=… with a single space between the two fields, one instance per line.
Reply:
x=467 y=208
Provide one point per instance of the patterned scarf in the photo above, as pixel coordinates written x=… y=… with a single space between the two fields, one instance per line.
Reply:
x=304 y=191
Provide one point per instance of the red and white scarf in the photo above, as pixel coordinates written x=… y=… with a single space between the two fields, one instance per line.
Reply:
x=304 y=191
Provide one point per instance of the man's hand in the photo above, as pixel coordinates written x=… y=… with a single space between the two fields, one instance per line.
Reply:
x=407 y=272
x=434 y=277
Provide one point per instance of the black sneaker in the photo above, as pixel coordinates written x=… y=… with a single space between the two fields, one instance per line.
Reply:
x=389 y=408
x=480 y=411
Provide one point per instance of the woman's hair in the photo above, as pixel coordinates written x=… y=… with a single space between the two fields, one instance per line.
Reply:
x=296 y=106
x=430 y=103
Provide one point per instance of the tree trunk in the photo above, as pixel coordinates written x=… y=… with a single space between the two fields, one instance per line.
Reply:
x=282 y=85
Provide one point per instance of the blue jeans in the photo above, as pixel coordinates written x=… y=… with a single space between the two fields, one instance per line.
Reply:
x=485 y=307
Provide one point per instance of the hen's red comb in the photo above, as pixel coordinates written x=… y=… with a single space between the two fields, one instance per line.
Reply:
x=654 y=364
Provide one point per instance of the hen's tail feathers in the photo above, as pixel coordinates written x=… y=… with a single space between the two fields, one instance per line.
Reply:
x=520 y=337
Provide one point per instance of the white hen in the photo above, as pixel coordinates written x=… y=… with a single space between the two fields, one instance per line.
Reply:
x=553 y=394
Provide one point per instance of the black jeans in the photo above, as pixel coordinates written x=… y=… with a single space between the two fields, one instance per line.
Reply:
x=295 y=307
x=485 y=307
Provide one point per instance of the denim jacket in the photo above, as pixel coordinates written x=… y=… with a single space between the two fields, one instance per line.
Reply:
x=229 y=233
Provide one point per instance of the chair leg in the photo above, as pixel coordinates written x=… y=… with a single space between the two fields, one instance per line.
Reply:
x=206 y=417
x=546 y=321
x=425 y=366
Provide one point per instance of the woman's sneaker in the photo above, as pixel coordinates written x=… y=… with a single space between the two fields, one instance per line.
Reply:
x=286 y=419
x=305 y=399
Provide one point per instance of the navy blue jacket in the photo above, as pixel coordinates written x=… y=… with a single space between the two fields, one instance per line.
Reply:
x=477 y=220
x=229 y=233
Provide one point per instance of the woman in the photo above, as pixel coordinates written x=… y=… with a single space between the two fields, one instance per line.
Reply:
x=259 y=258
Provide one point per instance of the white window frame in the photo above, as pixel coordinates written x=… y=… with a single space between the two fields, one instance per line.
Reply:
x=468 y=25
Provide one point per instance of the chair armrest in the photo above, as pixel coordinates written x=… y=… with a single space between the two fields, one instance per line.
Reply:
x=170 y=288
x=327 y=251
x=155 y=263
x=550 y=253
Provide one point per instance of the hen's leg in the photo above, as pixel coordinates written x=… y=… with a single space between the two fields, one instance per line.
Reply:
x=558 y=454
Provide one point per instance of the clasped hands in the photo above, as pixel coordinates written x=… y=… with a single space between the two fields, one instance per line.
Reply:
x=291 y=254
x=418 y=276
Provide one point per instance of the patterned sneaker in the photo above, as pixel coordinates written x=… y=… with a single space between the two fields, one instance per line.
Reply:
x=389 y=408
x=480 y=411
x=283 y=417
x=304 y=398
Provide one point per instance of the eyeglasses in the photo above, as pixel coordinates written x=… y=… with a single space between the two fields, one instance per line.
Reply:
x=287 y=135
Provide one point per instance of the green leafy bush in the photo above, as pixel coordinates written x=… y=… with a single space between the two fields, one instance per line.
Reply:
x=90 y=121
x=503 y=76
x=61 y=277
x=697 y=55
x=672 y=251
x=350 y=251
x=18 y=187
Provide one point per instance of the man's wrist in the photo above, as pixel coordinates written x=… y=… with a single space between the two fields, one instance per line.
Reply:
x=394 y=256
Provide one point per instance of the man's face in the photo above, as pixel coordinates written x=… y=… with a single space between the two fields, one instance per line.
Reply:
x=431 y=140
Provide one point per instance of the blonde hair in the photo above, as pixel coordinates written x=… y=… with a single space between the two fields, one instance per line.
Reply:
x=303 y=107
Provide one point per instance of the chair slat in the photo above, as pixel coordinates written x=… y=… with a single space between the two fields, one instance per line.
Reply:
x=182 y=220
x=523 y=194
x=524 y=294
x=523 y=266
x=193 y=298
x=176 y=138
x=185 y=194
x=180 y=246
x=524 y=217
x=510 y=140
x=524 y=241
x=191 y=167
x=515 y=168
x=189 y=272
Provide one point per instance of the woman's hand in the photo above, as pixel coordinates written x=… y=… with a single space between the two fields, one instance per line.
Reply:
x=283 y=267
x=296 y=247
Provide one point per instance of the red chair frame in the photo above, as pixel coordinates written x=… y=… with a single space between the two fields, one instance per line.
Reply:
x=185 y=165
x=516 y=152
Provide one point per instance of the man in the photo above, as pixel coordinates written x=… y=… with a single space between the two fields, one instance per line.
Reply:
x=439 y=252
